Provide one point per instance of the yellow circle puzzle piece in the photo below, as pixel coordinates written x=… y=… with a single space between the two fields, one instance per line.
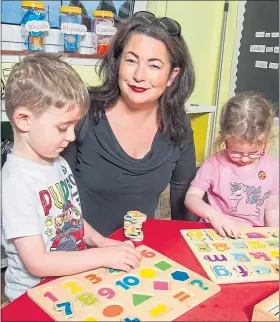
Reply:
x=148 y=273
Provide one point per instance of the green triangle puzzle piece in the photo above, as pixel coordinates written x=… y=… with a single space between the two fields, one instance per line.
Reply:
x=113 y=271
x=140 y=298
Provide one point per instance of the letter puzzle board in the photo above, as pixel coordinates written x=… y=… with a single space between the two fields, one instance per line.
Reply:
x=253 y=257
x=158 y=290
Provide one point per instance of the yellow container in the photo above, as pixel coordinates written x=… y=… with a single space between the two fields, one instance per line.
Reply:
x=70 y=10
x=102 y=14
x=33 y=12
x=33 y=4
x=70 y=16
x=102 y=20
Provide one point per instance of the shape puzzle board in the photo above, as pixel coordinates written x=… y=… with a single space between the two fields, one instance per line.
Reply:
x=159 y=290
x=268 y=309
x=253 y=257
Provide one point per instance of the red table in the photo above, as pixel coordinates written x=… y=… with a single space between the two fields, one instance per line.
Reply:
x=235 y=302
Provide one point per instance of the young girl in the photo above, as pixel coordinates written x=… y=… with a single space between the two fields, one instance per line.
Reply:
x=241 y=181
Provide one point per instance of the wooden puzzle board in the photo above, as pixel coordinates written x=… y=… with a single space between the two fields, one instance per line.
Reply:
x=253 y=257
x=159 y=290
x=268 y=309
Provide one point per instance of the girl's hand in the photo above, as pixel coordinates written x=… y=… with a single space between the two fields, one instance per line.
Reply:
x=225 y=225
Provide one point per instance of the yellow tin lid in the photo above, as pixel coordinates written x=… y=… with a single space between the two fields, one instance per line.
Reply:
x=33 y=4
x=103 y=14
x=69 y=9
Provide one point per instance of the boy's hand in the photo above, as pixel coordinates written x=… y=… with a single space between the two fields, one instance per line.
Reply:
x=122 y=257
x=129 y=243
x=224 y=225
x=105 y=242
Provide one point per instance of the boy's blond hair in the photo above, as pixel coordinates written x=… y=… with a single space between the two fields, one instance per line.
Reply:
x=248 y=117
x=41 y=81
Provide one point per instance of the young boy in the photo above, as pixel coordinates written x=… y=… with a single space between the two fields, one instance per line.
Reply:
x=42 y=222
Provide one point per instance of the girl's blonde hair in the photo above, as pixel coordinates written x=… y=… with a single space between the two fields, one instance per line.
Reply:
x=248 y=117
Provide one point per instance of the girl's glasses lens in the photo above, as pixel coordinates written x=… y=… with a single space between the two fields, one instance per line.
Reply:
x=251 y=156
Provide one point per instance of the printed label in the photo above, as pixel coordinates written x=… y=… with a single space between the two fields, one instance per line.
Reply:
x=273 y=65
x=260 y=34
x=36 y=26
x=73 y=29
x=257 y=48
x=105 y=30
x=261 y=64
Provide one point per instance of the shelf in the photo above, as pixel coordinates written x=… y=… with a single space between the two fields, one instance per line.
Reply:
x=199 y=108
x=14 y=56
x=190 y=109
x=4 y=117
x=26 y=52
x=198 y=164
x=4 y=262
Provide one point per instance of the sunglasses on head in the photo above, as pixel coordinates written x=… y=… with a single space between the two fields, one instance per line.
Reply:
x=172 y=26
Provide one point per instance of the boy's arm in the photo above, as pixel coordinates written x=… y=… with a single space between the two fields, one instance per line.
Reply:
x=94 y=238
x=38 y=262
x=32 y=251
x=271 y=212
x=22 y=226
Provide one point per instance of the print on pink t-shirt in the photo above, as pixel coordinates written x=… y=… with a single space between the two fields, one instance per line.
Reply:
x=241 y=192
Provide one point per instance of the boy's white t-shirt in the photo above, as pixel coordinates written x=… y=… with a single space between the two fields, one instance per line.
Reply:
x=38 y=200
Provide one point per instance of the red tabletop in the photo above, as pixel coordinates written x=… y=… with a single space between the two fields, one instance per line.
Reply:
x=235 y=302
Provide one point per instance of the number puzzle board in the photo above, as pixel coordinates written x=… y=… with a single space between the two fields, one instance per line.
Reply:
x=158 y=290
x=253 y=257
x=268 y=309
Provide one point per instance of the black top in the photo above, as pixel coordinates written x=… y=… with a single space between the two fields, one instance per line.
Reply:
x=111 y=183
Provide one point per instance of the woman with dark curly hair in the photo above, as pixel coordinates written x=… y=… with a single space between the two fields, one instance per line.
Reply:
x=136 y=137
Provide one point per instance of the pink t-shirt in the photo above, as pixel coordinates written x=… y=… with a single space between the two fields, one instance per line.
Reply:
x=241 y=192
